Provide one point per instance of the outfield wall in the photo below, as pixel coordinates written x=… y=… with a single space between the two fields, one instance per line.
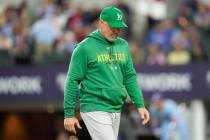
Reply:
x=39 y=87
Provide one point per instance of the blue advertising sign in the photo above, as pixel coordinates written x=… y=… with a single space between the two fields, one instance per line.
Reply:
x=42 y=86
x=178 y=82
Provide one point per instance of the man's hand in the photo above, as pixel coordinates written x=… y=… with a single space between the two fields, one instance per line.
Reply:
x=70 y=124
x=144 y=115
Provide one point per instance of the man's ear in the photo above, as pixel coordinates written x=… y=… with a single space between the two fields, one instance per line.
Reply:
x=100 y=21
x=101 y=24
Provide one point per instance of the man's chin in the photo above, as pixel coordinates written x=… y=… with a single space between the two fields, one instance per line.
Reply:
x=111 y=39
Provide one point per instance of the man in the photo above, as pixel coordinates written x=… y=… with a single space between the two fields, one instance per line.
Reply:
x=101 y=66
x=167 y=119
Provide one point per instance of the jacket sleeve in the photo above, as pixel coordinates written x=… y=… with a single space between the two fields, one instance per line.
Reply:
x=75 y=75
x=131 y=83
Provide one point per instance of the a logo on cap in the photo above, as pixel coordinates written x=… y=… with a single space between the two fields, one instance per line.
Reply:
x=119 y=16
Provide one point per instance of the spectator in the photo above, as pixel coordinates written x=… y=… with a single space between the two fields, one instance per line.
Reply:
x=184 y=17
x=21 y=27
x=161 y=36
x=136 y=54
x=198 y=54
x=21 y=49
x=202 y=21
x=155 y=56
x=45 y=33
x=179 y=55
x=5 y=42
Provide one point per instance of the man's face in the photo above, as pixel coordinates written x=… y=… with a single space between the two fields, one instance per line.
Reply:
x=108 y=32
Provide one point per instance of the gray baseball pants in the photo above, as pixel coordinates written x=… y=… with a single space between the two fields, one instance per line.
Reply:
x=102 y=125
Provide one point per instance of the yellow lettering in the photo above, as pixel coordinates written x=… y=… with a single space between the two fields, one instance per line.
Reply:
x=119 y=56
x=123 y=57
x=99 y=58
x=111 y=58
x=106 y=57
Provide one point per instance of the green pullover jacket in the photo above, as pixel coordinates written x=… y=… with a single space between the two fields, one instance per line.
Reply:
x=103 y=73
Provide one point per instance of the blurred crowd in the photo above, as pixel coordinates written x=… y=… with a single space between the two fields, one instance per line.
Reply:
x=47 y=34
x=177 y=40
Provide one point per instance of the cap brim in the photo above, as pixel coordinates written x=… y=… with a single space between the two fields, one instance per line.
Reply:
x=117 y=24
